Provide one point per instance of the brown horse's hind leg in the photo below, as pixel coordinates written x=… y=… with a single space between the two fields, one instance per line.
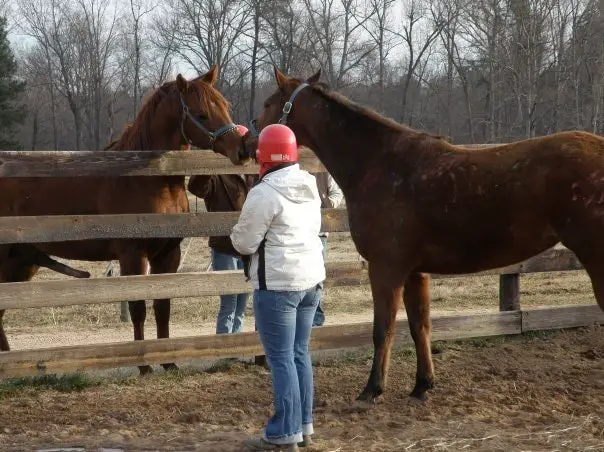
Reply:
x=595 y=271
x=386 y=288
x=417 y=304
x=3 y=340
x=136 y=264
x=167 y=262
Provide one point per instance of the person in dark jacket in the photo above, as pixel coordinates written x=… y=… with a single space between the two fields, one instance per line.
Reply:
x=225 y=193
x=331 y=198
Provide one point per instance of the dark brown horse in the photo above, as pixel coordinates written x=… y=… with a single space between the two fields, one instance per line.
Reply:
x=178 y=114
x=417 y=204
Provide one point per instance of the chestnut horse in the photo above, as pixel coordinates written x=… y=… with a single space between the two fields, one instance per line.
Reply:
x=178 y=114
x=417 y=204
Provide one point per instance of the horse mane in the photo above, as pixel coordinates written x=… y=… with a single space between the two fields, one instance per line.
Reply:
x=369 y=113
x=137 y=134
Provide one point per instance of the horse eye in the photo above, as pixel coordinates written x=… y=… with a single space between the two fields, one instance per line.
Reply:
x=201 y=117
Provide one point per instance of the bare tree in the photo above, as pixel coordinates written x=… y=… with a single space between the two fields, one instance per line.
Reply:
x=54 y=26
x=378 y=26
x=138 y=10
x=208 y=30
x=414 y=14
x=163 y=33
x=483 y=28
x=100 y=35
x=337 y=35
x=285 y=37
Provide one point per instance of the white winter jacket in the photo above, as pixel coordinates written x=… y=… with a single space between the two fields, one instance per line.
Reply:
x=279 y=226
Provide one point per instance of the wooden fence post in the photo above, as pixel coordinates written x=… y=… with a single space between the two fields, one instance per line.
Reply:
x=509 y=292
x=124 y=311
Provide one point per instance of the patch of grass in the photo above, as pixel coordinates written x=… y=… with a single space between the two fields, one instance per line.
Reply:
x=62 y=383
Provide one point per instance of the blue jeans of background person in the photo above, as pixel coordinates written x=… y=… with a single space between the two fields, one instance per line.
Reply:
x=284 y=321
x=319 y=319
x=232 y=307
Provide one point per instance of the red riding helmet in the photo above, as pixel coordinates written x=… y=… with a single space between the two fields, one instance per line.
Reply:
x=242 y=130
x=276 y=145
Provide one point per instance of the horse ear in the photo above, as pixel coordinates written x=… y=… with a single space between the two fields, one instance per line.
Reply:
x=211 y=76
x=314 y=78
x=281 y=79
x=181 y=83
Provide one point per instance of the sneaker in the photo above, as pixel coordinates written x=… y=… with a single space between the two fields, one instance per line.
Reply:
x=261 y=444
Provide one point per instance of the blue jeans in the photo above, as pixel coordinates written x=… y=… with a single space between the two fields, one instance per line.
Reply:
x=232 y=307
x=319 y=319
x=284 y=321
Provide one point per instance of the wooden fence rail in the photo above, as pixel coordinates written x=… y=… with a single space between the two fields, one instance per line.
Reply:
x=134 y=163
x=37 y=294
x=128 y=163
x=156 y=351
x=59 y=228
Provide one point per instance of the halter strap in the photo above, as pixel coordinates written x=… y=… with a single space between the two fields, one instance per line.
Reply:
x=287 y=108
x=186 y=113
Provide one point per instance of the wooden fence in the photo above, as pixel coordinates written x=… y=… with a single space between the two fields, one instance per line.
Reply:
x=510 y=320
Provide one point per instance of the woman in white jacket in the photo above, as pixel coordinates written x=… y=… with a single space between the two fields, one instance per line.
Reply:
x=279 y=227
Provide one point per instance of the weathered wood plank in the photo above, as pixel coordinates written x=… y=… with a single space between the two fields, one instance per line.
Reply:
x=128 y=163
x=59 y=228
x=156 y=351
x=36 y=294
x=135 y=163
x=547 y=318
x=126 y=288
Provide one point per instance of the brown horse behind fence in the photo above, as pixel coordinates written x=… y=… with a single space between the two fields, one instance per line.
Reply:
x=177 y=114
x=417 y=204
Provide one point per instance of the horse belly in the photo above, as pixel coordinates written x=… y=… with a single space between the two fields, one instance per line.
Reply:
x=474 y=257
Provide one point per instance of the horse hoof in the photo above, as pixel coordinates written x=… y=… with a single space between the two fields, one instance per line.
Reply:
x=367 y=398
x=418 y=397
x=360 y=406
x=171 y=367
x=414 y=401
x=145 y=370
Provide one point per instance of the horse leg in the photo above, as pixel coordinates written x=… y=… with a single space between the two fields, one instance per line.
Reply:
x=166 y=263
x=416 y=296
x=136 y=264
x=13 y=270
x=386 y=289
x=593 y=263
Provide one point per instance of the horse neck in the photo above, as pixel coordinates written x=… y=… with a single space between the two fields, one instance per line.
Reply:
x=152 y=136
x=346 y=141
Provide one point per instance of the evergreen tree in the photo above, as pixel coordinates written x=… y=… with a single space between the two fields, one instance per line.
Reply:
x=11 y=113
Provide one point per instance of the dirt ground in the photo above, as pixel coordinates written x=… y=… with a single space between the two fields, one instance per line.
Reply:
x=535 y=392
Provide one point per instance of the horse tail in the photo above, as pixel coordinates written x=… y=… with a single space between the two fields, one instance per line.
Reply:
x=34 y=256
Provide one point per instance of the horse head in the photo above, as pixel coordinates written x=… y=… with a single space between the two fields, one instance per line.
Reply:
x=278 y=106
x=199 y=115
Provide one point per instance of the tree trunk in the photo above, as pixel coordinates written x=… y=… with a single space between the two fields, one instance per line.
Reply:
x=35 y=129
x=254 y=58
